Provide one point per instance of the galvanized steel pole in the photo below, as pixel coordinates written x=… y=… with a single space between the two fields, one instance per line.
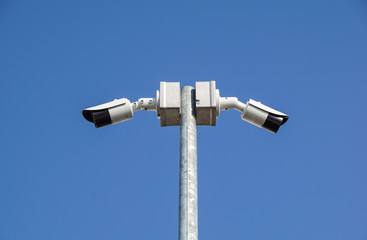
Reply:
x=188 y=213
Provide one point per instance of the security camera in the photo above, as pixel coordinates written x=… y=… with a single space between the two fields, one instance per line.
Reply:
x=109 y=113
x=253 y=112
x=118 y=110
x=167 y=104
x=263 y=116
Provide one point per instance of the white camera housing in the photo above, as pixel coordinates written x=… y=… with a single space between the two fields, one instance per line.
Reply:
x=109 y=113
x=209 y=103
x=263 y=116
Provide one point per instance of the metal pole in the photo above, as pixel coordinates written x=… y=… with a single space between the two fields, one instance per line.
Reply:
x=188 y=215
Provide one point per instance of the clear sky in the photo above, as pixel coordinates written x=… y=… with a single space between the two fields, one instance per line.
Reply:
x=60 y=178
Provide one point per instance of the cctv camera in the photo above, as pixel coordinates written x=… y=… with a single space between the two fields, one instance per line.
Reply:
x=263 y=116
x=109 y=113
x=253 y=112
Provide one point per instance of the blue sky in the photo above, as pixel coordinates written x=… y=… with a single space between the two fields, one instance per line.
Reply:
x=60 y=178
